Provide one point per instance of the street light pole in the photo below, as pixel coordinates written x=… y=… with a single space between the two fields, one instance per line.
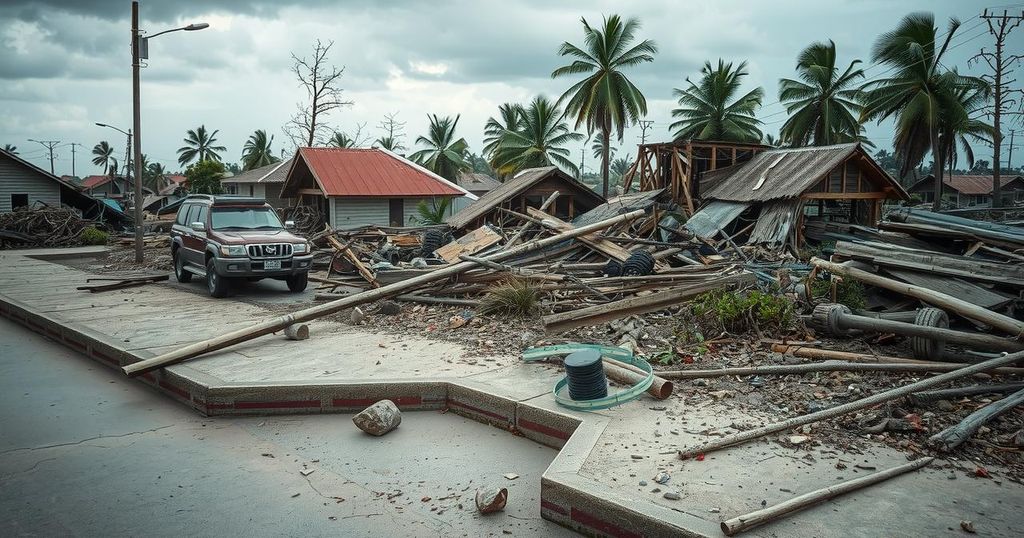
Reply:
x=137 y=130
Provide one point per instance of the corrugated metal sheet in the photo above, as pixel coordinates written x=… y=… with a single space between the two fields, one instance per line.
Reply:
x=714 y=216
x=91 y=182
x=15 y=179
x=784 y=173
x=371 y=172
x=513 y=187
x=271 y=173
x=775 y=222
x=477 y=183
x=618 y=206
x=355 y=212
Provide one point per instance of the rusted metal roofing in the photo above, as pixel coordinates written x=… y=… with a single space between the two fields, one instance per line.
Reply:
x=91 y=182
x=474 y=182
x=966 y=184
x=271 y=173
x=784 y=173
x=513 y=187
x=371 y=172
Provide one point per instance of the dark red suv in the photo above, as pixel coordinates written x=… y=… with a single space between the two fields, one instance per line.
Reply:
x=222 y=238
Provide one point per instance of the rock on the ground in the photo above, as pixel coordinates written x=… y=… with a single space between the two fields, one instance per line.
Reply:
x=389 y=308
x=379 y=418
x=491 y=499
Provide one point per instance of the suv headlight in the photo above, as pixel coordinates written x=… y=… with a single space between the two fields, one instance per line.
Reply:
x=233 y=250
x=300 y=248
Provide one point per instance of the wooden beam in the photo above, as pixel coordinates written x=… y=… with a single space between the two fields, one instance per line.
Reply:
x=844 y=196
x=346 y=251
x=311 y=191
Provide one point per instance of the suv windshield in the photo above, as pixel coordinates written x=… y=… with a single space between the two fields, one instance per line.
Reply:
x=244 y=218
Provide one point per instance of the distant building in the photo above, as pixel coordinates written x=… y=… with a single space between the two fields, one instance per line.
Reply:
x=23 y=184
x=355 y=187
x=263 y=182
x=960 y=191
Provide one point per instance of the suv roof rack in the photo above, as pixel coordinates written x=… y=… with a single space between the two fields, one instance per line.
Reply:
x=227 y=199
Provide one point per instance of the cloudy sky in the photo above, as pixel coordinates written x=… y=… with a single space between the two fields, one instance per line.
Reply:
x=65 y=64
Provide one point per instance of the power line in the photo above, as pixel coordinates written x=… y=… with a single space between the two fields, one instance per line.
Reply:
x=49 y=145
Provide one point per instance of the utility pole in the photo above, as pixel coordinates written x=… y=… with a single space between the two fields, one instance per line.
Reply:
x=1000 y=27
x=49 y=145
x=137 y=129
x=73 y=144
x=583 y=155
x=1009 y=160
x=644 y=126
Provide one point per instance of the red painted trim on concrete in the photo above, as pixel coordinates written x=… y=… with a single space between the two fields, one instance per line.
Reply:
x=175 y=389
x=104 y=357
x=553 y=507
x=365 y=402
x=542 y=429
x=287 y=404
x=589 y=520
x=485 y=412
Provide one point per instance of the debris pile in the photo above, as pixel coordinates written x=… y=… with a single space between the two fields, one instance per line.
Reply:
x=44 y=226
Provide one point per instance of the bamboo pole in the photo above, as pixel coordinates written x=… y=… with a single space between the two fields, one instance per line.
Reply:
x=738 y=524
x=942 y=300
x=528 y=226
x=629 y=374
x=828 y=366
x=383 y=292
x=843 y=409
x=817 y=353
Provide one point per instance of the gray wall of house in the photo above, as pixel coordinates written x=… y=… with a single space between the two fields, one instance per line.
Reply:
x=16 y=179
x=412 y=212
x=355 y=212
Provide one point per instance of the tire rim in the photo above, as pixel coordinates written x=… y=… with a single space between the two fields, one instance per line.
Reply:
x=211 y=280
x=177 y=266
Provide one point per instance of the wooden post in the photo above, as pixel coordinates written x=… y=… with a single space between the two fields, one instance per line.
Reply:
x=953 y=437
x=383 y=292
x=939 y=299
x=839 y=410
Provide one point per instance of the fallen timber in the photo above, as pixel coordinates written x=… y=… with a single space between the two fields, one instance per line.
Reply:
x=839 y=410
x=953 y=437
x=831 y=354
x=318 y=311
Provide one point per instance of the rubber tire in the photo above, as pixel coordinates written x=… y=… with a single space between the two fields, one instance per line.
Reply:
x=297 y=283
x=180 y=273
x=640 y=263
x=612 y=268
x=432 y=240
x=926 y=349
x=217 y=285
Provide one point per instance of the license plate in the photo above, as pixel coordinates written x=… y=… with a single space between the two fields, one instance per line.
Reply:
x=271 y=264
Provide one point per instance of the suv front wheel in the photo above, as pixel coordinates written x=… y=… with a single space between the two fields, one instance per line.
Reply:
x=297 y=282
x=216 y=284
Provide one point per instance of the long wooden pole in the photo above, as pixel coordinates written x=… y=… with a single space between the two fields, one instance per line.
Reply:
x=818 y=353
x=953 y=437
x=948 y=302
x=850 y=407
x=319 y=311
x=828 y=366
x=738 y=524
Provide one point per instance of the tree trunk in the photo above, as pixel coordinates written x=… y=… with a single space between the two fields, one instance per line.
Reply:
x=997 y=137
x=936 y=170
x=606 y=128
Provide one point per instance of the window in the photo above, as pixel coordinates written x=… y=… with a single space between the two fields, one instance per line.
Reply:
x=244 y=218
x=201 y=216
x=19 y=200
x=182 y=213
x=192 y=212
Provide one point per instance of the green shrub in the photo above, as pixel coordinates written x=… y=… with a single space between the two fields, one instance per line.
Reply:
x=741 y=312
x=849 y=292
x=513 y=297
x=92 y=235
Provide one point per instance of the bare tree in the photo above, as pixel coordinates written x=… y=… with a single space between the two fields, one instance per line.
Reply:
x=393 y=132
x=1004 y=97
x=321 y=81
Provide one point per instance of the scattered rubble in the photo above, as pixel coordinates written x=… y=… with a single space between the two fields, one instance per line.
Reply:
x=491 y=499
x=378 y=419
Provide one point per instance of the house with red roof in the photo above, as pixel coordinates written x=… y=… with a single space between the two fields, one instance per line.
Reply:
x=355 y=187
x=962 y=191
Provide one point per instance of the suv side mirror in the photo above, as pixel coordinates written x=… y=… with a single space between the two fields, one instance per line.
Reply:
x=289 y=224
x=197 y=226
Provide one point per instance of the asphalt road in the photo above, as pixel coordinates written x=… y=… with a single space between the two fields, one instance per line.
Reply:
x=87 y=452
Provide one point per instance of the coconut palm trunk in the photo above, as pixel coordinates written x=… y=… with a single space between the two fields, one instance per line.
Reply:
x=937 y=161
x=607 y=130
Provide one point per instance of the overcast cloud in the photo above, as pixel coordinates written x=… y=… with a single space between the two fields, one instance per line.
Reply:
x=65 y=64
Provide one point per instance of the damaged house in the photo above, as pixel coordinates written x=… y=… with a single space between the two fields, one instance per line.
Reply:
x=769 y=199
x=355 y=187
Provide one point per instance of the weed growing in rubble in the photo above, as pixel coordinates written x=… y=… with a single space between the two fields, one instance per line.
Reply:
x=91 y=235
x=513 y=297
x=849 y=292
x=739 y=312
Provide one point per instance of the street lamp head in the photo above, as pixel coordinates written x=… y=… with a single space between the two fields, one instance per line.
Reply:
x=102 y=124
x=196 y=26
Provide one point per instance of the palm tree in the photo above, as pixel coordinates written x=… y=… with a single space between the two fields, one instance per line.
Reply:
x=433 y=213
x=341 y=140
x=960 y=129
x=156 y=176
x=389 y=143
x=921 y=95
x=770 y=140
x=620 y=167
x=257 y=151
x=199 y=145
x=508 y=120
x=605 y=100
x=104 y=154
x=822 y=108
x=598 y=147
x=539 y=140
x=443 y=155
x=13 y=150
x=708 y=110
x=111 y=167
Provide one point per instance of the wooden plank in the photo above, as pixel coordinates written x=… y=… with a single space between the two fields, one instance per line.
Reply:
x=352 y=257
x=967 y=291
x=470 y=243
x=593 y=241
